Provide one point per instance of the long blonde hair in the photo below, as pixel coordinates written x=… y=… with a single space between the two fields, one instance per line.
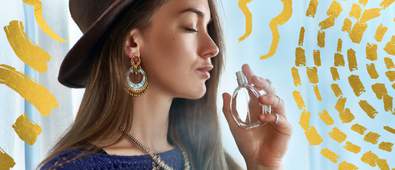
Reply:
x=106 y=106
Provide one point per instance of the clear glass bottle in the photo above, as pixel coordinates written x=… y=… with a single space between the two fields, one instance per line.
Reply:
x=245 y=105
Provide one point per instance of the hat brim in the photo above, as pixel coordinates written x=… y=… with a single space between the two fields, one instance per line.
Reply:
x=76 y=65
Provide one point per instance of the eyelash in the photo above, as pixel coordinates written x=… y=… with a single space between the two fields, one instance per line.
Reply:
x=190 y=30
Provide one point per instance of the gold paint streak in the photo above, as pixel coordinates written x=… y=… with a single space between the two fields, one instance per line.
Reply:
x=346 y=116
x=371 y=52
x=387 y=100
x=372 y=71
x=356 y=85
x=34 y=93
x=281 y=19
x=317 y=57
x=327 y=23
x=300 y=59
x=371 y=137
x=352 y=60
x=295 y=76
x=389 y=129
x=357 y=32
x=339 y=45
x=313 y=136
x=337 y=135
x=321 y=39
x=312 y=74
x=248 y=18
x=390 y=46
x=305 y=119
x=29 y=53
x=389 y=63
x=380 y=32
x=369 y=158
x=347 y=25
x=352 y=147
x=390 y=75
x=311 y=11
x=298 y=99
x=380 y=90
x=386 y=146
x=335 y=74
x=386 y=3
x=335 y=9
x=6 y=161
x=358 y=128
x=327 y=153
x=336 y=90
x=355 y=11
x=363 y=2
x=26 y=129
x=347 y=166
x=382 y=164
x=340 y=104
x=38 y=15
x=369 y=110
x=370 y=14
x=339 y=60
x=301 y=36
x=326 y=118
x=317 y=93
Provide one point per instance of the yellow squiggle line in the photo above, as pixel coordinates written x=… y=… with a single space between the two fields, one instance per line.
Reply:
x=38 y=14
x=248 y=17
x=281 y=19
x=36 y=94
x=28 y=52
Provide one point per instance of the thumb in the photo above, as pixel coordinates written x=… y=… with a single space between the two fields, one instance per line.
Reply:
x=226 y=109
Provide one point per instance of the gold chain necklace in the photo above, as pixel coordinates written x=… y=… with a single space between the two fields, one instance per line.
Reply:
x=157 y=161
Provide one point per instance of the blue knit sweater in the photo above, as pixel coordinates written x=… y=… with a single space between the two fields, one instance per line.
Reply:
x=72 y=160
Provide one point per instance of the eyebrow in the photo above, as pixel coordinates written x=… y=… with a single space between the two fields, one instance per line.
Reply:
x=196 y=11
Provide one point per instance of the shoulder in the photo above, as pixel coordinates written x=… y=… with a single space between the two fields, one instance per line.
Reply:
x=69 y=159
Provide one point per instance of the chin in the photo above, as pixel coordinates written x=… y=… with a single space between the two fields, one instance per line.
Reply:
x=197 y=94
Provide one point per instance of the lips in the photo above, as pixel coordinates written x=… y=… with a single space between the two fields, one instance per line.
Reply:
x=204 y=71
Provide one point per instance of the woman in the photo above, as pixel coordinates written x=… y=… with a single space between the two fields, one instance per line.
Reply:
x=151 y=72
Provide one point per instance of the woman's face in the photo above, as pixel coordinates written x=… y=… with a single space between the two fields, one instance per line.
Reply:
x=176 y=49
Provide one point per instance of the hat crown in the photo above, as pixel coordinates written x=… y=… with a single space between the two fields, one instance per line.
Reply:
x=86 y=12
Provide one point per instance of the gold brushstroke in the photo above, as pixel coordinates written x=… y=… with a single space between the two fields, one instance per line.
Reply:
x=352 y=147
x=389 y=63
x=305 y=119
x=347 y=25
x=29 y=53
x=279 y=20
x=317 y=58
x=339 y=45
x=339 y=60
x=326 y=118
x=371 y=137
x=301 y=36
x=386 y=146
x=38 y=15
x=356 y=84
x=390 y=75
x=336 y=90
x=248 y=18
x=334 y=9
x=389 y=129
x=379 y=89
x=352 y=60
x=369 y=158
x=370 y=14
x=346 y=116
x=356 y=11
x=313 y=136
x=363 y=2
x=321 y=39
x=337 y=135
x=335 y=74
x=298 y=99
x=387 y=101
x=295 y=76
x=380 y=32
x=357 y=32
x=382 y=164
x=317 y=93
x=340 y=104
x=386 y=3
x=312 y=74
x=328 y=154
x=347 y=166
x=311 y=11
x=26 y=129
x=36 y=94
x=390 y=46
x=371 y=52
x=371 y=68
x=300 y=59
x=327 y=23
x=369 y=109
x=358 y=128
x=6 y=161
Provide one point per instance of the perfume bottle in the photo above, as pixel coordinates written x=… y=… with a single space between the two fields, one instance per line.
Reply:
x=245 y=105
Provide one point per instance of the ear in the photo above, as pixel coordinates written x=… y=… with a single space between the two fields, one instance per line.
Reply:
x=133 y=43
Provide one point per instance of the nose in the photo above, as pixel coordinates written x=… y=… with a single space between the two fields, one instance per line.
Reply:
x=209 y=47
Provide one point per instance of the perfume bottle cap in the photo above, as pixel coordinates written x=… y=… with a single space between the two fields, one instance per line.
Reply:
x=241 y=79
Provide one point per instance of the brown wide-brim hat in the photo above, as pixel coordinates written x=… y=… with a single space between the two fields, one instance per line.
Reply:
x=93 y=17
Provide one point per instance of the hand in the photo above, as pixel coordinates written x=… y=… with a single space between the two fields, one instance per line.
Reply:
x=263 y=145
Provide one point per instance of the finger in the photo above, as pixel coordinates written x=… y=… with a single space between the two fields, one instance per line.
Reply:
x=275 y=102
x=247 y=72
x=283 y=125
x=262 y=84
x=226 y=109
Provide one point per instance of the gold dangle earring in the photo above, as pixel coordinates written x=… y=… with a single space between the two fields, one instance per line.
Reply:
x=137 y=81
